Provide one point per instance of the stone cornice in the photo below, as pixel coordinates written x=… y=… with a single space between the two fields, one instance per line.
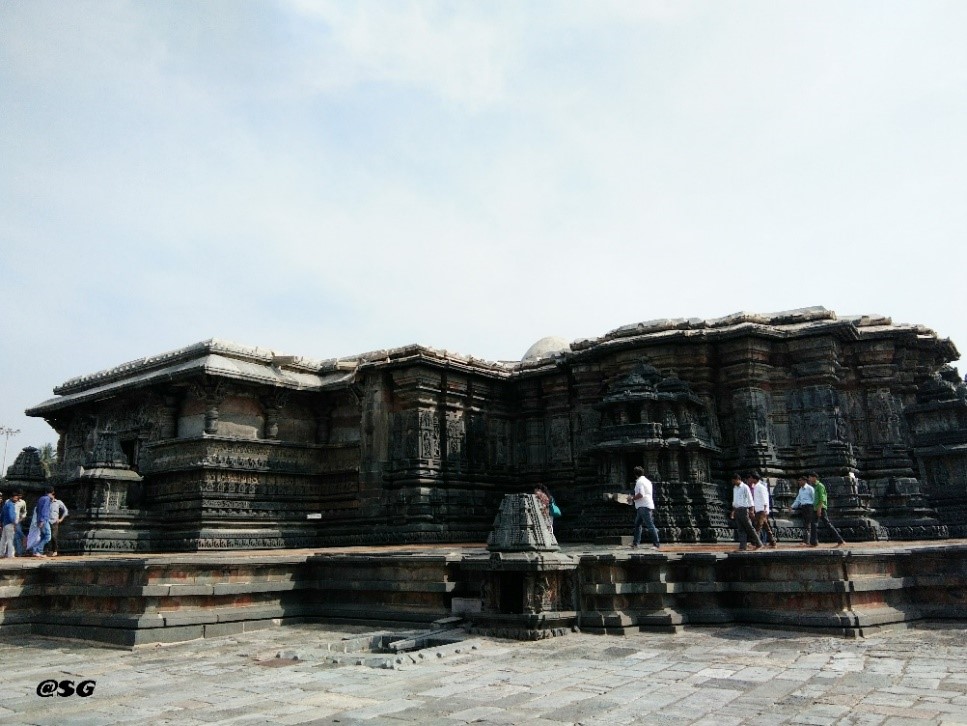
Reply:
x=222 y=358
x=213 y=358
x=433 y=357
x=789 y=325
x=223 y=348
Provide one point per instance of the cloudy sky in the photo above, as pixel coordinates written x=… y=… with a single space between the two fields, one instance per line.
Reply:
x=328 y=178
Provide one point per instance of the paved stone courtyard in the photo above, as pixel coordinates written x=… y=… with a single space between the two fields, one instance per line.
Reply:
x=700 y=676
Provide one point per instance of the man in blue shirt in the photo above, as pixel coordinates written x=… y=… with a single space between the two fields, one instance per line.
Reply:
x=8 y=520
x=42 y=515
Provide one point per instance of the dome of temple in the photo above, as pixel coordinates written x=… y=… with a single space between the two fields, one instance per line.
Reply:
x=546 y=347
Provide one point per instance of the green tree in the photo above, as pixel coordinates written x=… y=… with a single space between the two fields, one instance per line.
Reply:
x=48 y=458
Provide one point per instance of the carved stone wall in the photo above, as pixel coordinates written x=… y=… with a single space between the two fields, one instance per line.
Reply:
x=418 y=445
x=938 y=421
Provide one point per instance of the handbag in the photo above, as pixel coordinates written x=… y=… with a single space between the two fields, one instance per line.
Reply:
x=555 y=510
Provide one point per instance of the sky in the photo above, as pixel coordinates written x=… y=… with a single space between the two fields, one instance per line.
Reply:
x=329 y=178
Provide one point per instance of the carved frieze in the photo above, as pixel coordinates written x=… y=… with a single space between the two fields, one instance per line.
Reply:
x=253 y=456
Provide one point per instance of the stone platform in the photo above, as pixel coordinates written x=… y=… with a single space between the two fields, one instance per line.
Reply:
x=133 y=600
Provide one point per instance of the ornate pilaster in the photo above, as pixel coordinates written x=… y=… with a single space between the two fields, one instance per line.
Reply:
x=272 y=405
x=169 y=409
x=212 y=393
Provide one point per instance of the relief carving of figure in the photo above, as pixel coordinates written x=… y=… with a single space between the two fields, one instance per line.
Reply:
x=756 y=425
x=839 y=426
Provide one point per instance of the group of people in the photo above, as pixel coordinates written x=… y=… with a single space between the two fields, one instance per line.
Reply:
x=812 y=503
x=750 y=510
x=44 y=528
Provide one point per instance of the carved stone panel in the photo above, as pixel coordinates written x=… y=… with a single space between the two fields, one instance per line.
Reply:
x=405 y=436
x=886 y=421
x=751 y=409
x=477 y=440
x=429 y=435
x=560 y=440
x=456 y=438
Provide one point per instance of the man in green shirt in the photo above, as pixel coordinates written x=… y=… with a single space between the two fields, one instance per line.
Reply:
x=820 y=503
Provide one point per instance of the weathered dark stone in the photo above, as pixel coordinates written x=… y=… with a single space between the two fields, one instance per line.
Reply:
x=525 y=595
x=521 y=526
x=27 y=467
x=237 y=447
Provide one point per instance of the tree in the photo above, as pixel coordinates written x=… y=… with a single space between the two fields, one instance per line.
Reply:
x=48 y=458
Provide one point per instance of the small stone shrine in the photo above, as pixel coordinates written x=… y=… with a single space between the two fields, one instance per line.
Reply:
x=219 y=446
x=521 y=526
x=107 y=494
x=27 y=474
x=527 y=588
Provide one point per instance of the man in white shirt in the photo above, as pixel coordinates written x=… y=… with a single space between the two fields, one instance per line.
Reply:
x=58 y=511
x=742 y=506
x=760 y=502
x=644 y=508
x=20 y=543
x=803 y=503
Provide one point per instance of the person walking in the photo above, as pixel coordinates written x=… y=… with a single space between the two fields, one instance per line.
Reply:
x=42 y=516
x=644 y=508
x=760 y=502
x=803 y=504
x=742 y=507
x=820 y=504
x=8 y=520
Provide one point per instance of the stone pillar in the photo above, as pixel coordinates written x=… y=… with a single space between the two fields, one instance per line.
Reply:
x=272 y=405
x=323 y=416
x=674 y=466
x=652 y=469
x=168 y=423
x=212 y=393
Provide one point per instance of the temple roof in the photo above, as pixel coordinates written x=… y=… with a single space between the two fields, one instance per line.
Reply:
x=263 y=366
x=785 y=324
x=782 y=324
x=212 y=357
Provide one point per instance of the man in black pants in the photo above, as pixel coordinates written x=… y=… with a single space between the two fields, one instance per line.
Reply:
x=742 y=506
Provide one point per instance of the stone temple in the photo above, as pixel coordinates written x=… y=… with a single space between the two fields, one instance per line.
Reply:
x=219 y=446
